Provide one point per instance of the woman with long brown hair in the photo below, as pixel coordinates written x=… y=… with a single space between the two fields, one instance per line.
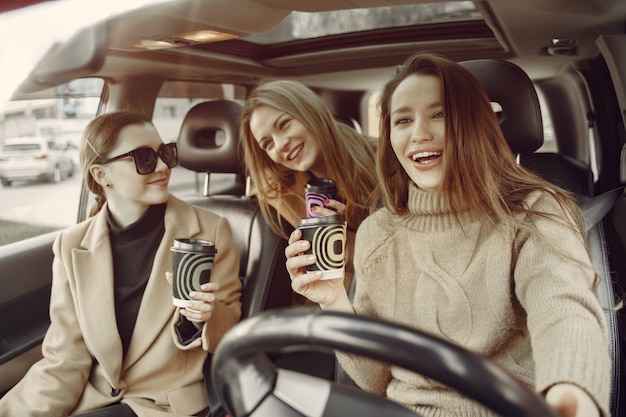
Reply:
x=472 y=248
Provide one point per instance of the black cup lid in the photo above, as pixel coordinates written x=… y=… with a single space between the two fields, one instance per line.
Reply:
x=321 y=220
x=195 y=245
x=321 y=185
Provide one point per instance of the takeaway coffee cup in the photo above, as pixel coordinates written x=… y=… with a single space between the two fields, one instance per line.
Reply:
x=327 y=235
x=192 y=262
x=316 y=191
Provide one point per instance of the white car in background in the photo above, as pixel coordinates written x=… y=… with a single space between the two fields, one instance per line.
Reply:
x=34 y=158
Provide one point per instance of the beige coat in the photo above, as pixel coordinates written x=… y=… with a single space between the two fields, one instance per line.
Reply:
x=82 y=349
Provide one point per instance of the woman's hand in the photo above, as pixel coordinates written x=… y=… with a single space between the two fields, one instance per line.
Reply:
x=330 y=207
x=201 y=308
x=571 y=401
x=329 y=293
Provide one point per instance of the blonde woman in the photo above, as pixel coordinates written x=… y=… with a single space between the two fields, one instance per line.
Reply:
x=288 y=136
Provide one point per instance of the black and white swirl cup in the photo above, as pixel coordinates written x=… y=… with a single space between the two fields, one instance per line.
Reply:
x=327 y=235
x=192 y=263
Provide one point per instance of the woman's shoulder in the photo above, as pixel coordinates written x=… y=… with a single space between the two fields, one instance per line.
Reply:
x=545 y=200
x=72 y=236
x=205 y=213
x=552 y=205
x=382 y=220
x=78 y=229
x=376 y=229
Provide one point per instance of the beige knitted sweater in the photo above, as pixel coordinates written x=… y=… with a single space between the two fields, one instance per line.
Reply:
x=504 y=294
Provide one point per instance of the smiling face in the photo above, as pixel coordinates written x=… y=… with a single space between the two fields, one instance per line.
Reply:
x=417 y=129
x=130 y=194
x=286 y=140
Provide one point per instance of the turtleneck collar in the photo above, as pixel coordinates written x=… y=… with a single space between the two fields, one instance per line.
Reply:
x=151 y=219
x=429 y=203
x=429 y=211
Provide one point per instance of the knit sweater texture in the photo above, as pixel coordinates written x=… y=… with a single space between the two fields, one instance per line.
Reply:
x=506 y=294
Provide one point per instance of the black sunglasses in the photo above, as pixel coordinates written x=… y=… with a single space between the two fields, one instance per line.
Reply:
x=146 y=158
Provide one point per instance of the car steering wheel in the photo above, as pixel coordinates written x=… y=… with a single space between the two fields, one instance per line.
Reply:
x=248 y=384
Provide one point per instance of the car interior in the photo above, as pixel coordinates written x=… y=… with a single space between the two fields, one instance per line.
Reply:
x=554 y=70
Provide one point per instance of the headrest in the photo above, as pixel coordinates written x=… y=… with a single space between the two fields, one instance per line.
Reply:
x=510 y=87
x=209 y=138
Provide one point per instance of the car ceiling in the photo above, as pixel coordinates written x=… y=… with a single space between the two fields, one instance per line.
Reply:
x=521 y=31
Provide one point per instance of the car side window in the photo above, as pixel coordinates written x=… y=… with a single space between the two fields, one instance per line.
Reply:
x=39 y=169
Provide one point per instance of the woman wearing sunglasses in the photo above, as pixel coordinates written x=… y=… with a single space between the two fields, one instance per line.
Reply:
x=116 y=345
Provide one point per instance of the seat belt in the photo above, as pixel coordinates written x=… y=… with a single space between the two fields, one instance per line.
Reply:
x=595 y=208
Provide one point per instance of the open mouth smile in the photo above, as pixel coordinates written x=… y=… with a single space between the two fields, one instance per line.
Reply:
x=295 y=152
x=425 y=158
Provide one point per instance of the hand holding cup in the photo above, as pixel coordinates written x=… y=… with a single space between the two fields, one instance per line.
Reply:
x=325 y=292
x=192 y=263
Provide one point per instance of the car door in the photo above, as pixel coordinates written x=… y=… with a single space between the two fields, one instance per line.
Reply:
x=31 y=215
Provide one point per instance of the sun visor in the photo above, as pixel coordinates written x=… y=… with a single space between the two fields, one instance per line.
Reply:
x=79 y=56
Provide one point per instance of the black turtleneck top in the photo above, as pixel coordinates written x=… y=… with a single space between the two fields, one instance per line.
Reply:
x=133 y=248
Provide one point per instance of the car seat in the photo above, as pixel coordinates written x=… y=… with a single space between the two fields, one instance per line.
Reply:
x=520 y=121
x=208 y=142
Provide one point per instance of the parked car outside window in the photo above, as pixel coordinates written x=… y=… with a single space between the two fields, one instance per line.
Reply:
x=34 y=158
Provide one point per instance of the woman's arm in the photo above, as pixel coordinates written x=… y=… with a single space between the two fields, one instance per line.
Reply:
x=330 y=294
x=554 y=284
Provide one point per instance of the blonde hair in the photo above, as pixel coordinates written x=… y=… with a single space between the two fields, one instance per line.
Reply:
x=99 y=138
x=348 y=156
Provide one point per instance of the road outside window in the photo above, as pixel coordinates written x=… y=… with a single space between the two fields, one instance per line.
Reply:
x=39 y=168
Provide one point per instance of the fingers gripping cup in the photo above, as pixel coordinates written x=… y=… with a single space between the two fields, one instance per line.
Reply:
x=192 y=263
x=316 y=191
x=327 y=235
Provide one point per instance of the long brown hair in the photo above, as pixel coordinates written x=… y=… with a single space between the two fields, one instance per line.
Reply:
x=475 y=148
x=99 y=138
x=348 y=156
